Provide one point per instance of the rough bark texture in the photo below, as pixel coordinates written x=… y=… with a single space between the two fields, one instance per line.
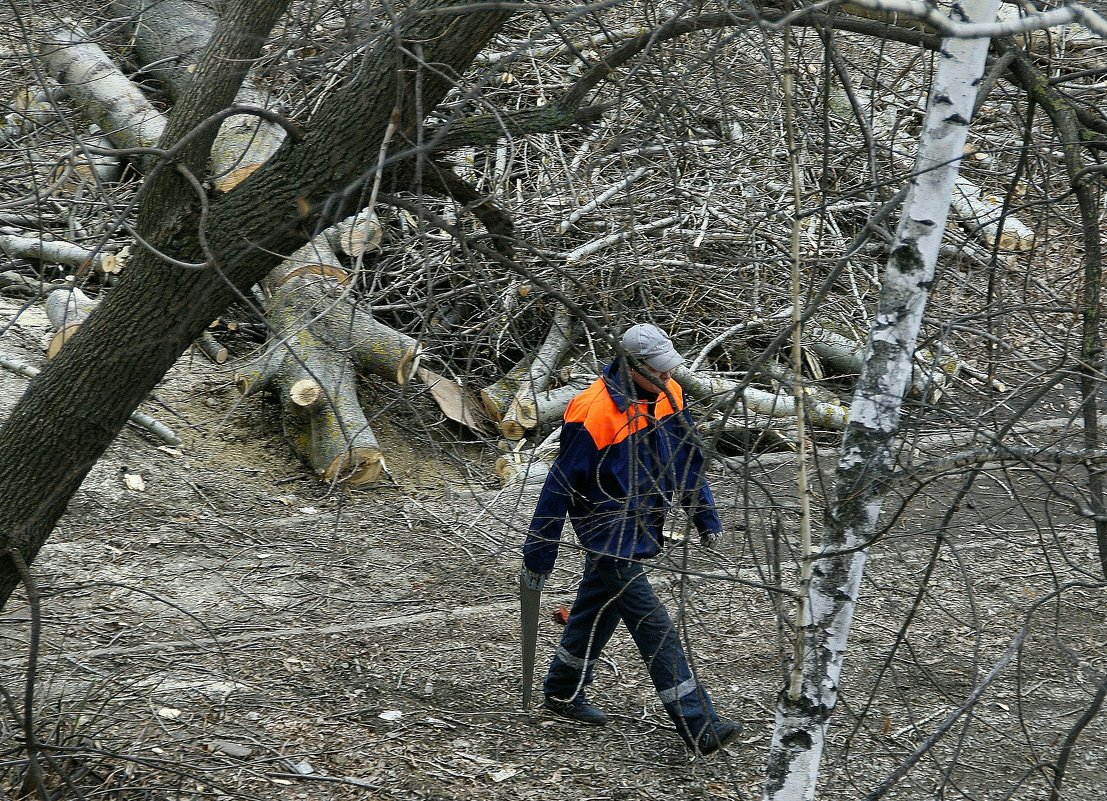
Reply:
x=831 y=586
x=160 y=307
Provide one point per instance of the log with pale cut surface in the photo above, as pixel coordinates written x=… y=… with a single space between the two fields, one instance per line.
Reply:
x=522 y=412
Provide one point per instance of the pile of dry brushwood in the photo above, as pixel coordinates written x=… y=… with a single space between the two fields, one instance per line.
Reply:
x=324 y=326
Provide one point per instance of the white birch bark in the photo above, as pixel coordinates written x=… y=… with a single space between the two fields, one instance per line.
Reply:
x=828 y=602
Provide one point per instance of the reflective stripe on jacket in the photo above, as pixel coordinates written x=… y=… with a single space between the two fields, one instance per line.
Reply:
x=617 y=474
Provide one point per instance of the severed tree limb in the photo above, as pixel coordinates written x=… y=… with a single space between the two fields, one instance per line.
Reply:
x=31 y=107
x=66 y=310
x=497 y=397
x=522 y=412
x=170 y=35
x=744 y=357
x=212 y=348
x=108 y=98
x=577 y=255
x=602 y=198
x=56 y=251
x=356 y=235
x=528 y=465
x=723 y=392
x=316 y=382
x=983 y=216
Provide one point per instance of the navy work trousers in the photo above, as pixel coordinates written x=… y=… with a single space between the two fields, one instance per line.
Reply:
x=613 y=590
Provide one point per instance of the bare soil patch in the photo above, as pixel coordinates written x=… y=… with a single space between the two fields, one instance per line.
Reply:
x=239 y=629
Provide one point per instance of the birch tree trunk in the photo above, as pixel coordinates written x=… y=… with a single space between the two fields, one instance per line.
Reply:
x=832 y=580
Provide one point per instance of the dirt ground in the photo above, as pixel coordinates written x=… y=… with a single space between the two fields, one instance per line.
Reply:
x=237 y=629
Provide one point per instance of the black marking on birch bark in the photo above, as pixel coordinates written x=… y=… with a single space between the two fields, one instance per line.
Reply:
x=906 y=257
x=956 y=119
x=832 y=580
x=944 y=99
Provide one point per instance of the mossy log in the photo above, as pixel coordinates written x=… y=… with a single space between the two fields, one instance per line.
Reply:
x=315 y=380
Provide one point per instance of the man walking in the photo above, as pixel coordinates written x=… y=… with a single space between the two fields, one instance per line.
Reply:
x=627 y=452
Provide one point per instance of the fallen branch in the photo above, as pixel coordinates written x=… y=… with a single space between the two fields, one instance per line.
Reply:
x=980 y=214
x=579 y=254
x=523 y=411
x=56 y=251
x=722 y=391
x=108 y=98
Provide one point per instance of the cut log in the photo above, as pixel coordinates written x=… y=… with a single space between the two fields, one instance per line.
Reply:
x=375 y=347
x=210 y=347
x=528 y=466
x=333 y=436
x=522 y=413
x=758 y=402
x=743 y=356
x=52 y=251
x=314 y=371
x=979 y=213
x=31 y=107
x=107 y=97
x=169 y=36
x=356 y=235
x=66 y=310
x=92 y=161
x=750 y=433
x=551 y=403
x=497 y=397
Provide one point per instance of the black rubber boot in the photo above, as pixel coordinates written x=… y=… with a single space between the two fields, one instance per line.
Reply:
x=577 y=709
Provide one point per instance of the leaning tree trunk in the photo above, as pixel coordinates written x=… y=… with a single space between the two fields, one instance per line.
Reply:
x=830 y=582
x=81 y=400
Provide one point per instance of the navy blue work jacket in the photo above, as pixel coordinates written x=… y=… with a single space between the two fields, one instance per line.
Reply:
x=620 y=466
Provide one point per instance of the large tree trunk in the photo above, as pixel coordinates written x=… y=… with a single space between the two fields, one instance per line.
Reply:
x=830 y=582
x=83 y=398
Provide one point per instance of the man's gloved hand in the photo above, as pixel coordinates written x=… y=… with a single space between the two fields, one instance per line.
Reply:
x=532 y=580
x=710 y=539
